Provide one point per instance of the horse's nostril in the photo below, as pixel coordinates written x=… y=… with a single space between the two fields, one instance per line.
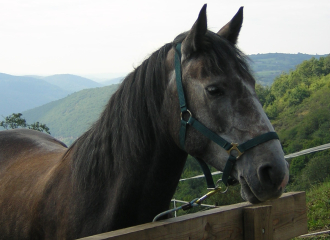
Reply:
x=265 y=174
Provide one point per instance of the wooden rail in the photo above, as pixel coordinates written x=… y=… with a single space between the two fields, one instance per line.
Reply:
x=279 y=219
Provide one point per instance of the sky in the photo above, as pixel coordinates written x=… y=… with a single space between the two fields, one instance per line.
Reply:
x=107 y=38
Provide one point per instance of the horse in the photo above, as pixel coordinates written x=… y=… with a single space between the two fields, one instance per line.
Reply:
x=125 y=169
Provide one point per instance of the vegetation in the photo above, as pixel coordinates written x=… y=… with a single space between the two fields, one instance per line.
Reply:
x=70 y=117
x=318 y=205
x=191 y=189
x=15 y=120
x=268 y=66
x=298 y=104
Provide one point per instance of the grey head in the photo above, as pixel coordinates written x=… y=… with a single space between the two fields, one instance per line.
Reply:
x=220 y=93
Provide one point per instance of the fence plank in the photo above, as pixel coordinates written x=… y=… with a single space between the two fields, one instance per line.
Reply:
x=283 y=215
x=258 y=223
x=288 y=219
x=289 y=215
x=300 y=214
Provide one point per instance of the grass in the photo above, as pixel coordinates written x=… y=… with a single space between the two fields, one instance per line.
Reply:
x=318 y=207
x=318 y=210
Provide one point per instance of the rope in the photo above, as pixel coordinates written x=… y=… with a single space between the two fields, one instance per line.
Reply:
x=191 y=204
x=307 y=151
x=199 y=176
x=289 y=156
x=183 y=207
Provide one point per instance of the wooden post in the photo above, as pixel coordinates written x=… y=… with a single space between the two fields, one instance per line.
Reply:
x=258 y=223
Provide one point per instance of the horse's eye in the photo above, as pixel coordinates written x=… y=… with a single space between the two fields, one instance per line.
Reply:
x=214 y=91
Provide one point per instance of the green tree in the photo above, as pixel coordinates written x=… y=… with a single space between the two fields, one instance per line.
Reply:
x=15 y=120
x=297 y=95
x=39 y=127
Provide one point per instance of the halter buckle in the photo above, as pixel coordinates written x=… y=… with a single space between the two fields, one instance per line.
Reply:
x=234 y=147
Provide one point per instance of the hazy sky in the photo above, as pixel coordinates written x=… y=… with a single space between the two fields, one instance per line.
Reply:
x=85 y=37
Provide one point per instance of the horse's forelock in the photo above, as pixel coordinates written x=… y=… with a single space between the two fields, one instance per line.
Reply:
x=220 y=55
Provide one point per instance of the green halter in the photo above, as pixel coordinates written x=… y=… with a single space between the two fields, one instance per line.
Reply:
x=229 y=147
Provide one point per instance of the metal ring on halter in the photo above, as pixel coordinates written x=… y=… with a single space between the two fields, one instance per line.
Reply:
x=185 y=112
x=217 y=185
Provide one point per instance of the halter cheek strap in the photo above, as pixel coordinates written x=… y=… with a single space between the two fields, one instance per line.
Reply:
x=229 y=147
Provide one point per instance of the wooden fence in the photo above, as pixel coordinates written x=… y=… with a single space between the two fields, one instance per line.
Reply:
x=281 y=219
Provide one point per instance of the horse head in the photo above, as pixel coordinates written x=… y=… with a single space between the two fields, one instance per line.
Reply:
x=220 y=94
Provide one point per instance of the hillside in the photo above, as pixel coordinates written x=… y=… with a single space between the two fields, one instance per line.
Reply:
x=268 y=66
x=69 y=117
x=297 y=99
x=298 y=104
x=22 y=93
x=71 y=83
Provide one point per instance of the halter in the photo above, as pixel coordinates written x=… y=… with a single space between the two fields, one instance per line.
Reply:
x=229 y=147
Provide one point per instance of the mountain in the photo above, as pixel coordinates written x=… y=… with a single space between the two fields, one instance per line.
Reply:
x=268 y=66
x=70 y=117
x=71 y=83
x=113 y=81
x=21 y=93
x=18 y=94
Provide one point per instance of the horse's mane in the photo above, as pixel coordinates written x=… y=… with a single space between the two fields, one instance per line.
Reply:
x=128 y=127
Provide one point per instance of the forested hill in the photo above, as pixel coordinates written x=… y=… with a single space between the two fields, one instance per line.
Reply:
x=20 y=93
x=298 y=104
x=268 y=66
x=70 y=117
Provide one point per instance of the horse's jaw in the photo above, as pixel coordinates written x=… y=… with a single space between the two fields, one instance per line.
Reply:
x=248 y=194
x=264 y=182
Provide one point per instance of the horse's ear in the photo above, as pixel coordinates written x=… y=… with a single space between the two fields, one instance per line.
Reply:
x=195 y=36
x=231 y=30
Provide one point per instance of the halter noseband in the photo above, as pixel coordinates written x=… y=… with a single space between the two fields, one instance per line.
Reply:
x=229 y=147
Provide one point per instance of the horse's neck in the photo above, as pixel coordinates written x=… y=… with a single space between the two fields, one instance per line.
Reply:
x=135 y=190
x=147 y=186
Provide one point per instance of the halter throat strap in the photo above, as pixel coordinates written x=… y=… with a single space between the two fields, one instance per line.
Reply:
x=229 y=147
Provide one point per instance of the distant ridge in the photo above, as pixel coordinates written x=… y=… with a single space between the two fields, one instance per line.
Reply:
x=269 y=65
x=113 y=81
x=18 y=93
x=71 y=83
